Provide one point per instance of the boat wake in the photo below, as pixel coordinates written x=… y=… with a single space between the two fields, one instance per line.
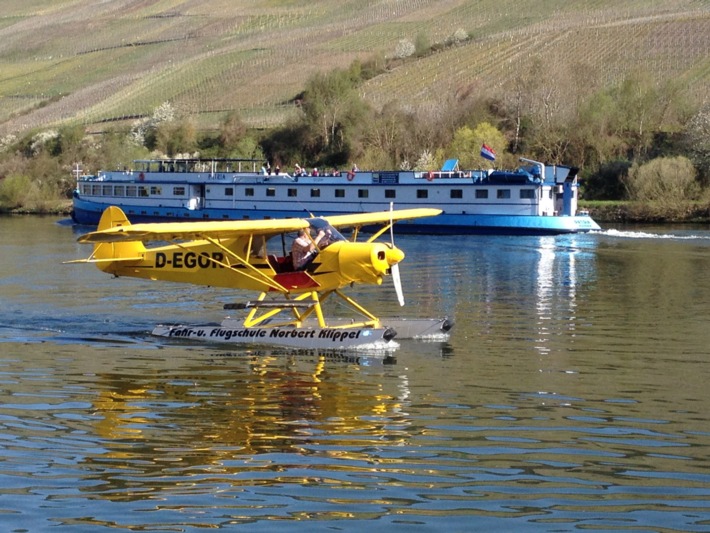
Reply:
x=648 y=235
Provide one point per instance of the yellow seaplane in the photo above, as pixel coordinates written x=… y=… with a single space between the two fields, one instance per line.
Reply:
x=253 y=255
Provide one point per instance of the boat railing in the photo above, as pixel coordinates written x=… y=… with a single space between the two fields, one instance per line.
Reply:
x=443 y=174
x=194 y=165
x=263 y=178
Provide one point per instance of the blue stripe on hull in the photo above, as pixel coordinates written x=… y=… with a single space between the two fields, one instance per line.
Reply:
x=89 y=213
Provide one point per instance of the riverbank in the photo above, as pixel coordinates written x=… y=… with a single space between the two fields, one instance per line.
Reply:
x=636 y=213
x=62 y=207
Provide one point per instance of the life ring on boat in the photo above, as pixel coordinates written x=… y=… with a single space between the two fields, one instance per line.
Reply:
x=430 y=176
x=351 y=175
x=141 y=176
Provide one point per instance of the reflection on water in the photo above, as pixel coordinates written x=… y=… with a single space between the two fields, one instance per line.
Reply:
x=571 y=395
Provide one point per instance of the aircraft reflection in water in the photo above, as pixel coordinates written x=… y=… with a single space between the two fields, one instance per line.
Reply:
x=252 y=255
x=220 y=422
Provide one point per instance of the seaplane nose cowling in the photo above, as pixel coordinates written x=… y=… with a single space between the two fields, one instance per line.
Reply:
x=384 y=257
x=367 y=262
x=394 y=256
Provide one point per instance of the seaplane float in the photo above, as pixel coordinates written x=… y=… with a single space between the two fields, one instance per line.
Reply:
x=292 y=286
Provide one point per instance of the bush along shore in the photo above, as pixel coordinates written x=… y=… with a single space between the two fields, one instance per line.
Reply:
x=640 y=213
x=58 y=208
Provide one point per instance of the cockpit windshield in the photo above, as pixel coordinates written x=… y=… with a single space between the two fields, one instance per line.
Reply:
x=331 y=234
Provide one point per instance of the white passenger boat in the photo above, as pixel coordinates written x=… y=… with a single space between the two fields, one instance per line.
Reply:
x=534 y=199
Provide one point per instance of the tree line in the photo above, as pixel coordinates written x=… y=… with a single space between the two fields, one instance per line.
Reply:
x=640 y=139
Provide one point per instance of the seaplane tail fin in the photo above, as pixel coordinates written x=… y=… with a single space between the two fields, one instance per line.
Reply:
x=113 y=217
x=107 y=252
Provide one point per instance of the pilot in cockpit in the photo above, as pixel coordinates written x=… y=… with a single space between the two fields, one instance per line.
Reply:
x=305 y=248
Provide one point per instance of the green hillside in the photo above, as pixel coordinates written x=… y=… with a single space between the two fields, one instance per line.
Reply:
x=94 y=63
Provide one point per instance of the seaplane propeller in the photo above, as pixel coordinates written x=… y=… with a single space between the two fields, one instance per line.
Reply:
x=394 y=269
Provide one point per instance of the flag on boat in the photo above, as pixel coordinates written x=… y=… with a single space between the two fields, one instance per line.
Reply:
x=488 y=152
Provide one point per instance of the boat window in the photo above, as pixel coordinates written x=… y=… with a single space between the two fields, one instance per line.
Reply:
x=363 y=193
x=457 y=194
x=249 y=191
x=119 y=190
x=156 y=190
x=270 y=191
x=503 y=194
x=340 y=193
x=107 y=190
x=131 y=190
x=292 y=193
x=481 y=194
x=315 y=193
x=390 y=193
x=96 y=190
x=142 y=191
x=422 y=193
x=178 y=191
x=527 y=194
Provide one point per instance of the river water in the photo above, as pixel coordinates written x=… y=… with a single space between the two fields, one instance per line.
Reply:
x=572 y=395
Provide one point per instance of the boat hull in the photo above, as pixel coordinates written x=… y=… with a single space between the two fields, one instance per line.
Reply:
x=89 y=213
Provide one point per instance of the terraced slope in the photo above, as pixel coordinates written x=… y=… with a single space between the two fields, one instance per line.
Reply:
x=88 y=62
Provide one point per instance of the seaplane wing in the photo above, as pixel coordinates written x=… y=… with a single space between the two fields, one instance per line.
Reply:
x=377 y=217
x=185 y=231
x=189 y=231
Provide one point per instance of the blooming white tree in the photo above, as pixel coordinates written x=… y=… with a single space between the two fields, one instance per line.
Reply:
x=697 y=140
x=7 y=141
x=459 y=36
x=426 y=161
x=40 y=139
x=165 y=112
x=405 y=48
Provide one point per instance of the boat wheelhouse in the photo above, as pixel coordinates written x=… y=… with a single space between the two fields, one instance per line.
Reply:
x=534 y=199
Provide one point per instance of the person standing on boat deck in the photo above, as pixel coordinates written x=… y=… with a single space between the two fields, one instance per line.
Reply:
x=304 y=249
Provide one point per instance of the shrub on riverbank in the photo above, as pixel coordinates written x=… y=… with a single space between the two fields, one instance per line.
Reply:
x=666 y=181
x=645 y=213
x=664 y=189
x=21 y=194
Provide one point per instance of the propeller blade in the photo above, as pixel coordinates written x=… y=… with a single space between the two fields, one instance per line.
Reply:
x=394 y=269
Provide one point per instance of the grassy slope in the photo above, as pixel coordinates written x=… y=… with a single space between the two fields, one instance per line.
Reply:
x=86 y=61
